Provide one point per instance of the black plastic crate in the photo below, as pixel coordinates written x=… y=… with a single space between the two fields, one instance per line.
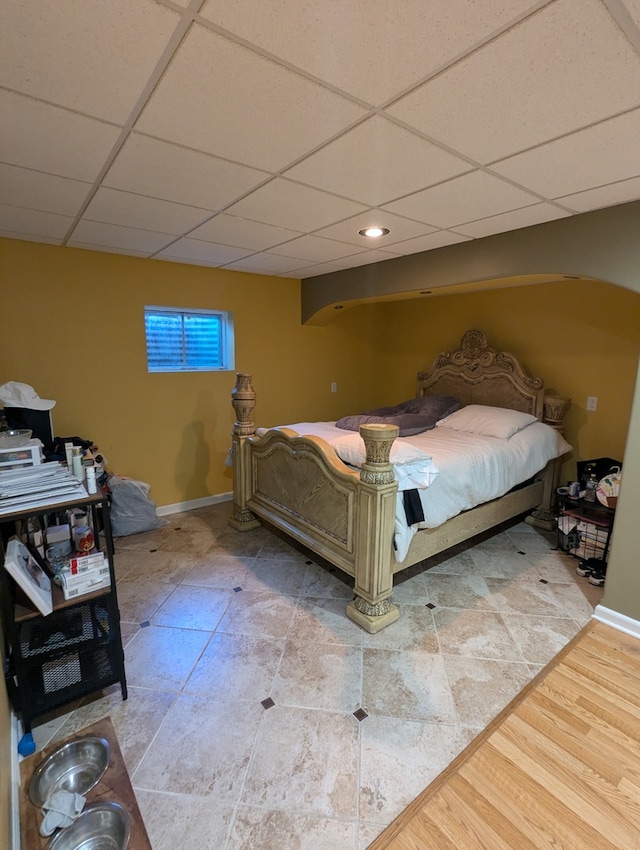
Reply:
x=64 y=629
x=602 y=465
x=68 y=676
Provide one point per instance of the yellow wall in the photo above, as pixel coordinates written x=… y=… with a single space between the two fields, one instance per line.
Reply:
x=582 y=337
x=73 y=328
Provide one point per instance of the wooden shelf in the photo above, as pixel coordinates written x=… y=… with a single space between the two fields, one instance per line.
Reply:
x=61 y=670
x=25 y=610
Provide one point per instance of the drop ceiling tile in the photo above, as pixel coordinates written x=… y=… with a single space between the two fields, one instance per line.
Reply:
x=363 y=259
x=296 y=207
x=374 y=256
x=370 y=48
x=198 y=252
x=87 y=55
x=99 y=235
x=236 y=102
x=42 y=137
x=23 y=187
x=233 y=103
x=604 y=196
x=278 y=263
x=108 y=249
x=377 y=162
x=366 y=258
x=601 y=154
x=242 y=233
x=267 y=263
x=33 y=223
x=512 y=220
x=186 y=261
x=26 y=237
x=162 y=170
x=316 y=249
x=128 y=210
x=315 y=270
x=466 y=198
x=430 y=241
x=400 y=228
x=541 y=74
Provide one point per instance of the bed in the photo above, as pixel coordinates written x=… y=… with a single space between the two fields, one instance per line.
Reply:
x=348 y=513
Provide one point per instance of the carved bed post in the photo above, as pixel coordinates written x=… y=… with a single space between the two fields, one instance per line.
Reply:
x=555 y=408
x=376 y=510
x=243 y=399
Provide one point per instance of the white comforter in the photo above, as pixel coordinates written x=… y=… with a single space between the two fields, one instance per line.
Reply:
x=452 y=470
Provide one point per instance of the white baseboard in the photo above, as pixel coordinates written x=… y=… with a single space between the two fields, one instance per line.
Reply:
x=618 y=621
x=179 y=507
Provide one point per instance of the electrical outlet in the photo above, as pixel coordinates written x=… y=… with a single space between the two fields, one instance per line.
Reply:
x=334 y=387
x=592 y=402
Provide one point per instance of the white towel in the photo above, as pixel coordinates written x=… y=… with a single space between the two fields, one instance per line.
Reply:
x=61 y=809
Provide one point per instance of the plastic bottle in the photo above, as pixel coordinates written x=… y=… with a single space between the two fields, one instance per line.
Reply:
x=92 y=486
x=68 y=450
x=590 y=488
x=76 y=461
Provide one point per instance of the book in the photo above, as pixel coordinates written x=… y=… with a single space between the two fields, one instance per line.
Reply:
x=23 y=567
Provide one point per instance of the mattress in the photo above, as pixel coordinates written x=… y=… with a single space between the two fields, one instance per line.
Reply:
x=452 y=470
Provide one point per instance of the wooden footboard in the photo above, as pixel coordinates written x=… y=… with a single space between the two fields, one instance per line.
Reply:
x=300 y=485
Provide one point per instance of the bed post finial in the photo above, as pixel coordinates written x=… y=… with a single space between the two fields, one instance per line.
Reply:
x=243 y=399
x=378 y=439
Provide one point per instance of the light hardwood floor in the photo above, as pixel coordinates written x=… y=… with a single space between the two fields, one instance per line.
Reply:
x=558 y=768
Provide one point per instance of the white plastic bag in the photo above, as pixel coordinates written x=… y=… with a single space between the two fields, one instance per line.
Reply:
x=132 y=511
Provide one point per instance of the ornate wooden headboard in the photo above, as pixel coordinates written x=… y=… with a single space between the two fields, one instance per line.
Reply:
x=477 y=374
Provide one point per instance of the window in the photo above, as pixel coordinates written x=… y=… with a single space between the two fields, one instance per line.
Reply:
x=188 y=340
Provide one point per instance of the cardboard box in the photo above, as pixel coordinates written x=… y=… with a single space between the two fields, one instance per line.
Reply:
x=85 y=582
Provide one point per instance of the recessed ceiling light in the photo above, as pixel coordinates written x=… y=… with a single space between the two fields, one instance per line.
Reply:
x=338 y=307
x=374 y=232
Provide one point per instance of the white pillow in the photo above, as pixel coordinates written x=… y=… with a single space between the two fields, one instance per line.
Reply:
x=487 y=421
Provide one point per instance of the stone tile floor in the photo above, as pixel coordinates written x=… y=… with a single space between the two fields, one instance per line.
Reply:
x=260 y=717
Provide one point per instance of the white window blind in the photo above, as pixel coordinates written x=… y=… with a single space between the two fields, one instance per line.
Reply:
x=188 y=340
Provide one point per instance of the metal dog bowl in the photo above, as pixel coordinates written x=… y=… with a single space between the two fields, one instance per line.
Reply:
x=101 y=826
x=76 y=766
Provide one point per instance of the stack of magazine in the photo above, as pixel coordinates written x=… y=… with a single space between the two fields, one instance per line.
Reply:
x=33 y=487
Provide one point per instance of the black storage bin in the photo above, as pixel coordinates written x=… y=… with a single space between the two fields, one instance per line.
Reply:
x=38 y=421
x=602 y=465
x=67 y=654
